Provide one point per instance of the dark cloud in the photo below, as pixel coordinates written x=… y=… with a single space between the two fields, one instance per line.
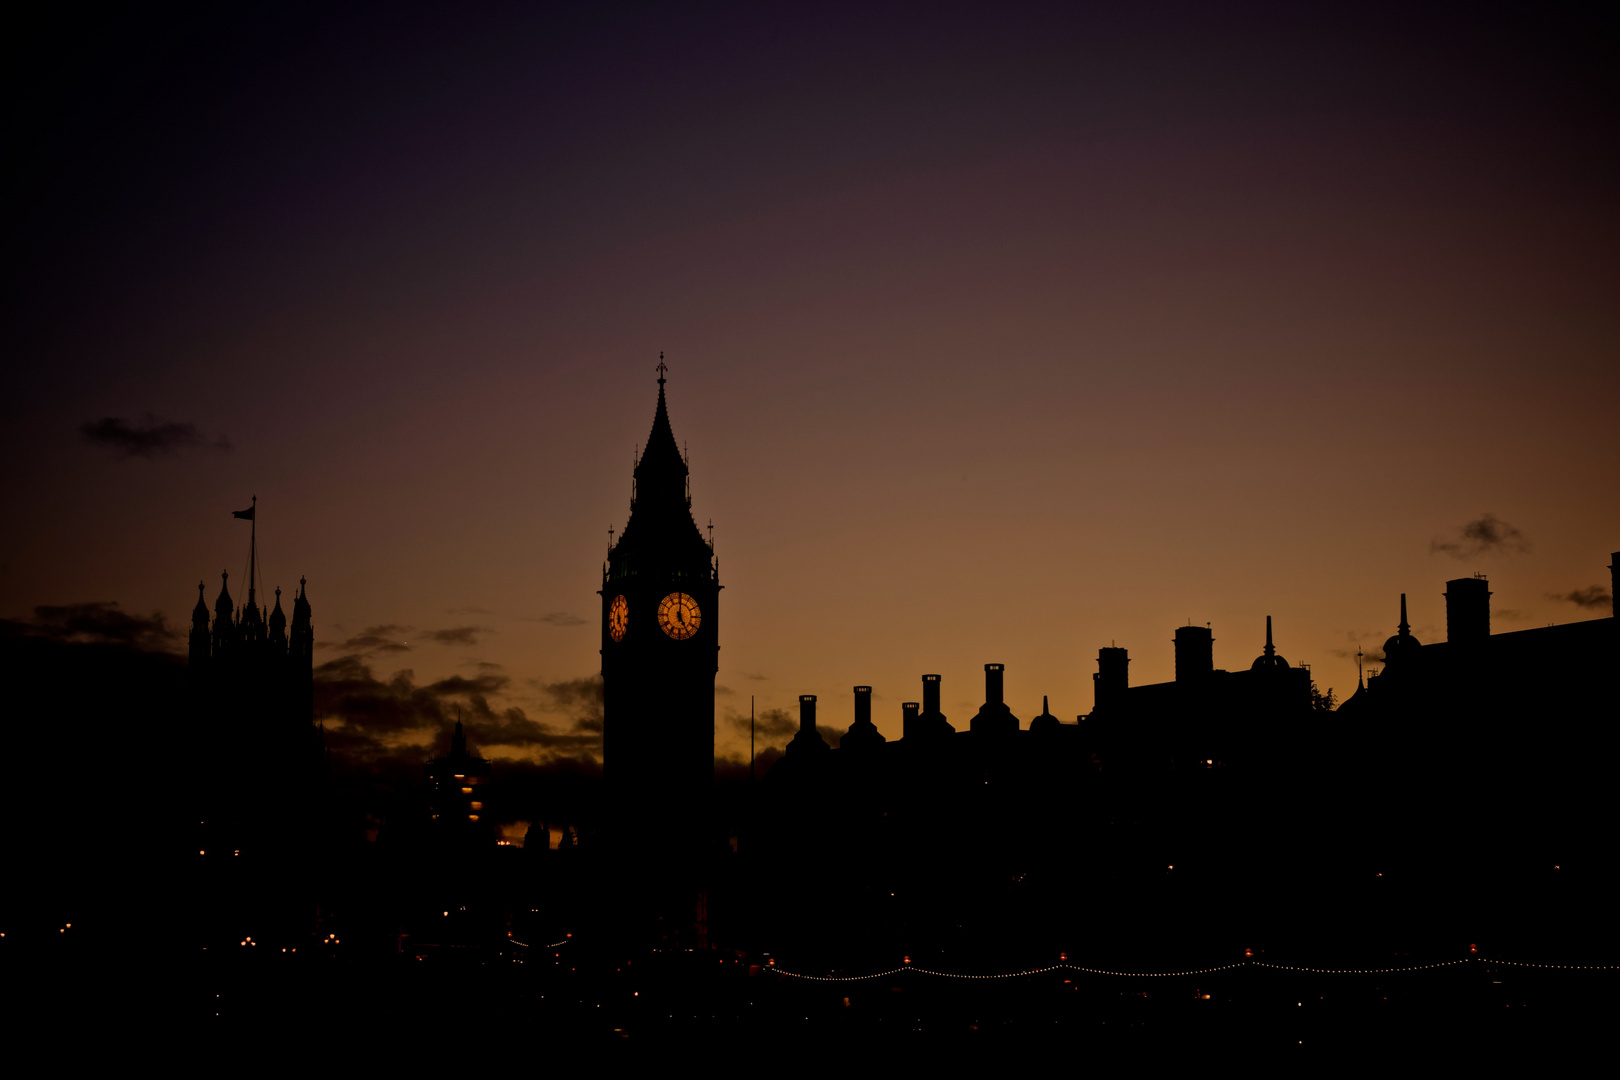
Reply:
x=755 y=676
x=1511 y=614
x=384 y=638
x=768 y=724
x=1359 y=639
x=372 y=719
x=148 y=439
x=458 y=635
x=557 y=618
x=723 y=691
x=1592 y=597
x=579 y=698
x=104 y=622
x=1485 y=534
x=488 y=665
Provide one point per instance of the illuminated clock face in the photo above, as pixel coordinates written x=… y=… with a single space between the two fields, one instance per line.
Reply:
x=678 y=616
x=618 y=618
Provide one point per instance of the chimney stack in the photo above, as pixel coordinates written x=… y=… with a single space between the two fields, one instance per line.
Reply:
x=1468 y=609
x=1195 y=653
x=862 y=734
x=993 y=684
x=908 y=719
x=930 y=701
x=808 y=739
x=1108 y=685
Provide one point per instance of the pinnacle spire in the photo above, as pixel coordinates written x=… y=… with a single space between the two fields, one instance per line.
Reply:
x=661 y=462
x=1404 y=627
x=1271 y=650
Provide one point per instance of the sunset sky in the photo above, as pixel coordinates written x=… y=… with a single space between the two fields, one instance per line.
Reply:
x=994 y=332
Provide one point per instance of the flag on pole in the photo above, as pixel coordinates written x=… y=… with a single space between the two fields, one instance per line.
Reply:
x=245 y=515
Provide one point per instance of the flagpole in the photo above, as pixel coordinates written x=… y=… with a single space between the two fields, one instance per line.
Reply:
x=253 y=547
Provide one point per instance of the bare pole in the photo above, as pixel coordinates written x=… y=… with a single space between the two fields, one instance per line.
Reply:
x=253 y=546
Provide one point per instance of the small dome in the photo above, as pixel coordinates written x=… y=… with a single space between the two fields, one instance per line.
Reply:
x=1269 y=660
x=1403 y=644
x=1400 y=645
x=1046 y=721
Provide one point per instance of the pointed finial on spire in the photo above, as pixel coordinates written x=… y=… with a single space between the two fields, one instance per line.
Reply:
x=1404 y=628
x=1359 y=683
x=662 y=368
x=1270 y=649
x=1045 y=708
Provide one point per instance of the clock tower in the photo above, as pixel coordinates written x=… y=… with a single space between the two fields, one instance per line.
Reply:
x=660 y=653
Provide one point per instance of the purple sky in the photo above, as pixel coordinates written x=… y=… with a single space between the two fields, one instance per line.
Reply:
x=995 y=333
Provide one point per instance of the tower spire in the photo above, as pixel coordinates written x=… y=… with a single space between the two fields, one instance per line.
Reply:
x=1404 y=628
x=1270 y=649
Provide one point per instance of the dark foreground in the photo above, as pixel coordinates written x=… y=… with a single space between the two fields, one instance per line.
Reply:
x=575 y=999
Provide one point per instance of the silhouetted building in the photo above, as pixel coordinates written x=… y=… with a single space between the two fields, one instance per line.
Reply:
x=660 y=652
x=1207 y=718
x=250 y=683
x=1506 y=740
x=458 y=790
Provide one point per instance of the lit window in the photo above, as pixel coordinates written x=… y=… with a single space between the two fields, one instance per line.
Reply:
x=472 y=817
x=476 y=805
x=466 y=791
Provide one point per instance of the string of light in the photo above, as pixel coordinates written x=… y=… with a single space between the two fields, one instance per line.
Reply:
x=553 y=945
x=1191 y=971
x=1561 y=967
x=1367 y=971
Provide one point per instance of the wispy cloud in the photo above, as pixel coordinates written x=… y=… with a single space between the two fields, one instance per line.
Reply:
x=768 y=724
x=457 y=635
x=557 y=618
x=148 y=438
x=103 y=621
x=1591 y=597
x=385 y=638
x=1486 y=534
